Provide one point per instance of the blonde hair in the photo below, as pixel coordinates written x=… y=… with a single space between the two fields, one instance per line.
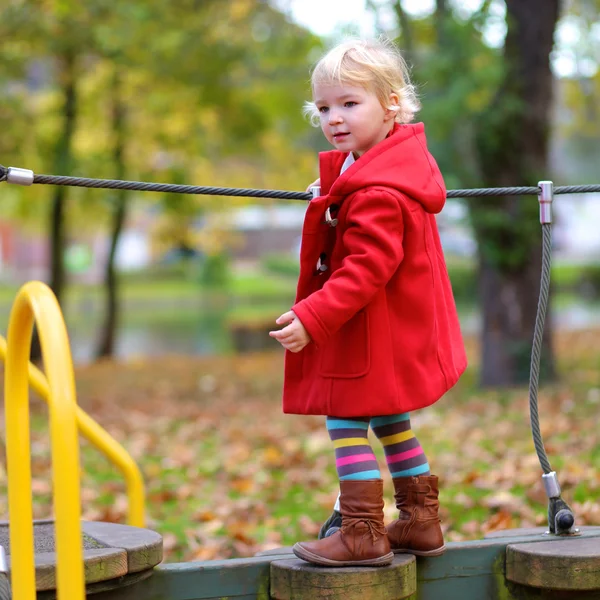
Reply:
x=375 y=65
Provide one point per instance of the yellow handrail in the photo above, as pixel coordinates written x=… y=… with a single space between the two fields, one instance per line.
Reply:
x=36 y=302
x=104 y=442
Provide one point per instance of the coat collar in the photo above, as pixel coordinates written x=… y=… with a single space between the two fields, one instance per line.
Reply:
x=330 y=163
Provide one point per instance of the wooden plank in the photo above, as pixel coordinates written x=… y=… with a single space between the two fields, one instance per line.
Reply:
x=239 y=579
x=474 y=569
x=573 y=564
x=294 y=579
x=99 y=565
x=144 y=547
x=540 y=532
x=467 y=571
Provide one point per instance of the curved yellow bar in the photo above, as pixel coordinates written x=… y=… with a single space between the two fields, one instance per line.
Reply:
x=104 y=442
x=36 y=301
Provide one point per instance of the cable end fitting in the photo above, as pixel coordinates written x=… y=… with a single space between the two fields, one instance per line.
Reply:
x=551 y=485
x=19 y=176
x=545 y=197
x=315 y=190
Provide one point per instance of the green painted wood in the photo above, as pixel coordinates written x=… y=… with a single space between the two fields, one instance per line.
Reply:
x=475 y=569
x=539 y=532
x=114 y=588
x=467 y=571
x=568 y=564
x=276 y=551
x=239 y=579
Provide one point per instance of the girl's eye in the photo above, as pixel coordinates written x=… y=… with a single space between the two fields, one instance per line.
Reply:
x=323 y=109
x=350 y=104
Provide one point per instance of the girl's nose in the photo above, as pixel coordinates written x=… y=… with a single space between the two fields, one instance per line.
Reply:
x=334 y=117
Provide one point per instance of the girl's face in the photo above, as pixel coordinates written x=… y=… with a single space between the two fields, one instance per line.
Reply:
x=352 y=117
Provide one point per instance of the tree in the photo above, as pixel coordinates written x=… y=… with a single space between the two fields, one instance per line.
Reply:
x=200 y=84
x=488 y=116
x=512 y=146
x=118 y=125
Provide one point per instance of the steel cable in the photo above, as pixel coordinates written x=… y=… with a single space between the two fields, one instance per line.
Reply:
x=536 y=351
x=276 y=194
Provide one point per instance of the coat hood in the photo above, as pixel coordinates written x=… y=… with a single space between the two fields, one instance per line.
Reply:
x=401 y=162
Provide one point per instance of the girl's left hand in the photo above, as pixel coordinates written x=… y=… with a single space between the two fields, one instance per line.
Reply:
x=294 y=336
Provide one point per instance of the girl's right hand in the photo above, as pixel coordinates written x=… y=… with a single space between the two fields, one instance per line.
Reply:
x=315 y=182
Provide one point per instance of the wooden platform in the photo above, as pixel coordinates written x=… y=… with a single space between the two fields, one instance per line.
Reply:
x=111 y=552
x=294 y=579
x=570 y=564
x=472 y=570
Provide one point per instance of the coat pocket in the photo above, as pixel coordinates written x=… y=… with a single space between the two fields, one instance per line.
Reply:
x=347 y=353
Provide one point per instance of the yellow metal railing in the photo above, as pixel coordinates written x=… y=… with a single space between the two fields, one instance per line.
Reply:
x=104 y=442
x=35 y=302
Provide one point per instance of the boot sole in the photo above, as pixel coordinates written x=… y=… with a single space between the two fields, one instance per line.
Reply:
x=436 y=552
x=382 y=561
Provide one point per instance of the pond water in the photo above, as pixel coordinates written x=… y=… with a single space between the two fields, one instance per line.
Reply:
x=205 y=328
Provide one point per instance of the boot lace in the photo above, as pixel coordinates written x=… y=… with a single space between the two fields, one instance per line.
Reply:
x=375 y=529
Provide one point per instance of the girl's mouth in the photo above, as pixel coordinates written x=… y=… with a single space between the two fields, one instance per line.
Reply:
x=340 y=136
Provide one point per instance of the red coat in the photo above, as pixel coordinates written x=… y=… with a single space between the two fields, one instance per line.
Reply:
x=384 y=328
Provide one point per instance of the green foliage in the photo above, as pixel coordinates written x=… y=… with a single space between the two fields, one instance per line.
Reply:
x=463 y=277
x=589 y=280
x=212 y=92
x=281 y=264
x=507 y=229
x=215 y=271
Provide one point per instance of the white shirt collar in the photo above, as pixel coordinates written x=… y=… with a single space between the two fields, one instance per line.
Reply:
x=348 y=162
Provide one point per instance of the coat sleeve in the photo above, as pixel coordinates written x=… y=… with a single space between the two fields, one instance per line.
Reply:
x=372 y=241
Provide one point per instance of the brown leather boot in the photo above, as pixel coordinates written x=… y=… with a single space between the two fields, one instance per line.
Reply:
x=418 y=530
x=362 y=540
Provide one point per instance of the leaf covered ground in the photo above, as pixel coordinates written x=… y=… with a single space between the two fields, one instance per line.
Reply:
x=228 y=474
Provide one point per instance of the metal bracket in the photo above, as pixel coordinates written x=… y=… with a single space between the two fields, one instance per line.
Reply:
x=19 y=176
x=551 y=485
x=545 y=198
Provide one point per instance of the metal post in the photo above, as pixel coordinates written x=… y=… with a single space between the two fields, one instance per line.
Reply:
x=545 y=198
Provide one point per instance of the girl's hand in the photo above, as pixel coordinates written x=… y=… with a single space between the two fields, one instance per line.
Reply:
x=315 y=182
x=293 y=336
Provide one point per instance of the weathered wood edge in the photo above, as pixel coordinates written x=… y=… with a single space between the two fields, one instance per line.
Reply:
x=100 y=564
x=144 y=547
x=468 y=570
x=294 y=579
x=571 y=565
x=474 y=569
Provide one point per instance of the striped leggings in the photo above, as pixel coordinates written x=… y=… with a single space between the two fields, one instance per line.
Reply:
x=354 y=455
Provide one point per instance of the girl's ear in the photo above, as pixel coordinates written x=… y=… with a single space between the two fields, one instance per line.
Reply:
x=393 y=106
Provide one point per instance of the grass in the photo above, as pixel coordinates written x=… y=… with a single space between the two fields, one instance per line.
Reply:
x=228 y=474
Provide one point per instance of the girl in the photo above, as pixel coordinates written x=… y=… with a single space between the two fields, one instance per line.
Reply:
x=373 y=333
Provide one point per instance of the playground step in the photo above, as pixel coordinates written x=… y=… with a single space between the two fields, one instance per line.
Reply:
x=561 y=564
x=111 y=552
x=293 y=579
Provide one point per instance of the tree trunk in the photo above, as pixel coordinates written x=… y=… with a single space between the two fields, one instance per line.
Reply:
x=111 y=316
x=406 y=37
x=512 y=144
x=62 y=166
x=441 y=21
